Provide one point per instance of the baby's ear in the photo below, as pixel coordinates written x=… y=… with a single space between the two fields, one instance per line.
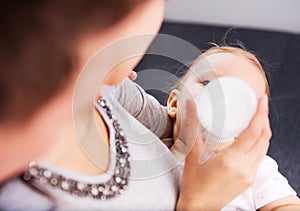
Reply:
x=172 y=103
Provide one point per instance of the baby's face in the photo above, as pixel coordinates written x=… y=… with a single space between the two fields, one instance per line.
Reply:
x=220 y=64
x=225 y=64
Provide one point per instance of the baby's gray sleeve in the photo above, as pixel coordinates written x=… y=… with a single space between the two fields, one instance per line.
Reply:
x=146 y=109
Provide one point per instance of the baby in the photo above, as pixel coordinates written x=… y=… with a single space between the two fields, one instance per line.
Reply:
x=270 y=190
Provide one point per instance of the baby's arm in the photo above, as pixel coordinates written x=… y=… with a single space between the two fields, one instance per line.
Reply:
x=146 y=109
x=271 y=190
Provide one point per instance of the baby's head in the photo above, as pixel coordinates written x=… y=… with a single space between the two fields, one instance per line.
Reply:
x=216 y=62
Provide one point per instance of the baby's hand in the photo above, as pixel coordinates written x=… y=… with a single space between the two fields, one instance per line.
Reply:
x=228 y=173
x=132 y=76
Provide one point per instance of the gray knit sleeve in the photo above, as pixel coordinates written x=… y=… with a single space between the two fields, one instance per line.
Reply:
x=146 y=109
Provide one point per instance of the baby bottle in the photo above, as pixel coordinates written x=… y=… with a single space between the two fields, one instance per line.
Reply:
x=225 y=108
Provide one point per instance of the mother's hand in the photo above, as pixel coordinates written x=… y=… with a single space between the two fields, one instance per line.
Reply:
x=229 y=172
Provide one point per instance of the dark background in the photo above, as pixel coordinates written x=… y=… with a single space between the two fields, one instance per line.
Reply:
x=279 y=53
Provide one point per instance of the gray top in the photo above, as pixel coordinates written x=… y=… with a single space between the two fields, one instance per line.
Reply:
x=154 y=178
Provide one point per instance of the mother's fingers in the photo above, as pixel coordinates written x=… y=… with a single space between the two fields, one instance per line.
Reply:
x=190 y=129
x=190 y=134
x=248 y=138
x=260 y=148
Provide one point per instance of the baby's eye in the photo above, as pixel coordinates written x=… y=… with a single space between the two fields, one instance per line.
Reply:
x=205 y=82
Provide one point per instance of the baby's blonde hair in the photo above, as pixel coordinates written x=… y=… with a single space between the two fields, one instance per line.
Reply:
x=241 y=52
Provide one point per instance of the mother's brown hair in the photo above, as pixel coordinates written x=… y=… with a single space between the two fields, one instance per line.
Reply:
x=38 y=50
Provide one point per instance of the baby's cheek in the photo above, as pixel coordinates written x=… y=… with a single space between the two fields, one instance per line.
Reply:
x=195 y=89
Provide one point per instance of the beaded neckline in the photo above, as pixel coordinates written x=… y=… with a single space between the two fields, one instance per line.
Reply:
x=111 y=188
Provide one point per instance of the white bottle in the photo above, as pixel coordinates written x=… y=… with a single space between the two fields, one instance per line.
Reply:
x=225 y=108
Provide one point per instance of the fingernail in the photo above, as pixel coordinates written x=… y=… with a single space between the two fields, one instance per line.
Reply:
x=265 y=100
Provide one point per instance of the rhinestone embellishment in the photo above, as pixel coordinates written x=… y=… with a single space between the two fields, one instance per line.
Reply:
x=113 y=187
